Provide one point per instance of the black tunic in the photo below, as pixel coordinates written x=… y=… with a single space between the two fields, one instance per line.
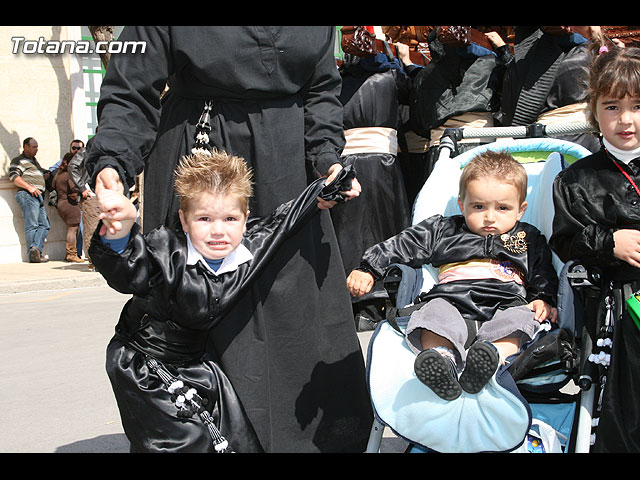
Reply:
x=372 y=91
x=439 y=240
x=592 y=200
x=289 y=347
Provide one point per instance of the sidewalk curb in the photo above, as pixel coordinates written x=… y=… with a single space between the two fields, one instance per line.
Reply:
x=53 y=275
x=51 y=284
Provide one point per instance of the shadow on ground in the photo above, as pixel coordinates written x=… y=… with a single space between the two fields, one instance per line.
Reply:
x=116 y=443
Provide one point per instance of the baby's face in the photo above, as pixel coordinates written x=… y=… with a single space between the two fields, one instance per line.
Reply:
x=215 y=224
x=491 y=207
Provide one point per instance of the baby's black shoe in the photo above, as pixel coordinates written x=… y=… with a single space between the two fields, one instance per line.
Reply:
x=482 y=362
x=438 y=372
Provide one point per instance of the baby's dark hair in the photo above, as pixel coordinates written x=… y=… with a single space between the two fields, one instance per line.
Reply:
x=615 y=72
x=217 y=172
x=494 y=164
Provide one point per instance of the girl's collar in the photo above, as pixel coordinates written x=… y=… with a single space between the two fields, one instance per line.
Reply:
x=625 y=156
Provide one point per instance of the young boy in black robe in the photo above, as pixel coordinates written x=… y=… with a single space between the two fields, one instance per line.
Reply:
x=495 y=272
x=173 y=397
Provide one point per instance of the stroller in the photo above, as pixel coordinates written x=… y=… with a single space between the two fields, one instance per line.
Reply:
x=527 y=407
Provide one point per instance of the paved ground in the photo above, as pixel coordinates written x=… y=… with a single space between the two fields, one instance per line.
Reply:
x=55 y=322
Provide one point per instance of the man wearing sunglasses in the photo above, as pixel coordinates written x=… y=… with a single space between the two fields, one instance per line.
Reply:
x=75 y=146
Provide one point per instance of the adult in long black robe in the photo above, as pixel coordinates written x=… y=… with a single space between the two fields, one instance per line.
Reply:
x=592 y=200
x=372 y=90
x=549 y=70
x=460 y=87
x=289 y=346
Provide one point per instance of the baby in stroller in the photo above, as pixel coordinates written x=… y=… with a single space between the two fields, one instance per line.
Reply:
x=496 y=279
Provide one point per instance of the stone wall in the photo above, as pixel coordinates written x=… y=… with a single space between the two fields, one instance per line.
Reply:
x=35 y=101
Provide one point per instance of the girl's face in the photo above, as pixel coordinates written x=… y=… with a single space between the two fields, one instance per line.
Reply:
x=619 y=121
x=215 y=224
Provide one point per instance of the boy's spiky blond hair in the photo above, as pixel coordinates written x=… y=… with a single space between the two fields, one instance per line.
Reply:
x=218 y=173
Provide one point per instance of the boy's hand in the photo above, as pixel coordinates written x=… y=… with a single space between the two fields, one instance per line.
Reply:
x=542 y=311
x=627 y=246
x=117 y=214
x=359 y=283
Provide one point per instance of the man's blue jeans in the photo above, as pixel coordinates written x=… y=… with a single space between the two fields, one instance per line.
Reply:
x=36 y=222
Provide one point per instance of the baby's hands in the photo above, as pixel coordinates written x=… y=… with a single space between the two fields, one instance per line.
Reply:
x=542 y=311
x=359 y=283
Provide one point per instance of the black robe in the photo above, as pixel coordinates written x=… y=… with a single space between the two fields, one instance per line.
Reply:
x=372 y=91
x=457 y=80
x=289 y=345
x=546 y=72
x=592 y=200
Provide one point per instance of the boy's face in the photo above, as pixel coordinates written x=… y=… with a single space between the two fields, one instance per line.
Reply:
x=491 y=207
x=215 y=224
x=619 y=121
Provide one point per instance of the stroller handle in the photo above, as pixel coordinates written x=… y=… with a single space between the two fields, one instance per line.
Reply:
x=530 y=131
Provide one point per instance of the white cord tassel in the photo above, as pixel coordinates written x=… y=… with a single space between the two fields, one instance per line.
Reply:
x=600 y=358
x=189 y=402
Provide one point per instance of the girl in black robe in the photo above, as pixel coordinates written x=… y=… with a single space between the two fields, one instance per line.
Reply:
x=596 y=208
x=289 y=344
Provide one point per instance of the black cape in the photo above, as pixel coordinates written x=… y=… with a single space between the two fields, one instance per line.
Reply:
x=289 y=345
x=592 y=199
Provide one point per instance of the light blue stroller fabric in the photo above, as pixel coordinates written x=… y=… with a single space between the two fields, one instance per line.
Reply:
x=497 y=418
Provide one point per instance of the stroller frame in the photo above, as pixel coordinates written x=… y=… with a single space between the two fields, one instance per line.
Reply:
x=577 y=278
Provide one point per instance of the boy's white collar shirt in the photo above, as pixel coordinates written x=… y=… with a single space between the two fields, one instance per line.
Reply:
x=230 y=263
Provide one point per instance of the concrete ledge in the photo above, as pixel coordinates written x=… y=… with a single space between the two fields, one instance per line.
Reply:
x=53 y=275
x=12 y=238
